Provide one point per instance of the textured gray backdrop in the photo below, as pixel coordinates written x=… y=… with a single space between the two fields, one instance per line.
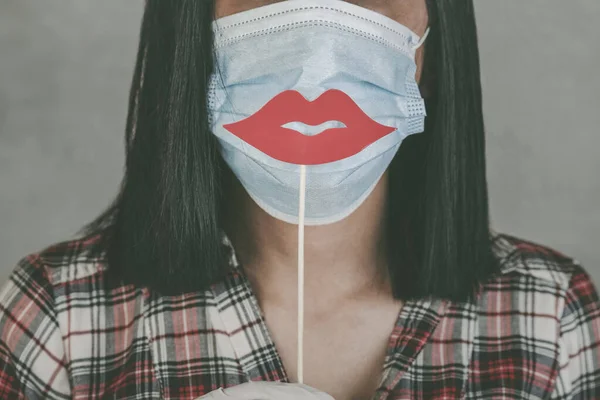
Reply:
x=65 y=69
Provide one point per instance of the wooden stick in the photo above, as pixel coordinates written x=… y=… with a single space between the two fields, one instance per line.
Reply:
x=301 y=274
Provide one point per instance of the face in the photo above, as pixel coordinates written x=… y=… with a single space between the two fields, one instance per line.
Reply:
x=410 y=13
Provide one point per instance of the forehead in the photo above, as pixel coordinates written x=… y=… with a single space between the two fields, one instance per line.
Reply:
x=412 y=13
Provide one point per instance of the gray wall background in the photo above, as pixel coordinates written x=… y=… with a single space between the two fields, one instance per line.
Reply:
x=66 y=66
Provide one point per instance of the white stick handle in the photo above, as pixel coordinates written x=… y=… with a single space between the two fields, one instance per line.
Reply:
x=301 y=274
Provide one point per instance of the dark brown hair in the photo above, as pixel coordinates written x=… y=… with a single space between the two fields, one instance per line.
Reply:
x=164 y=229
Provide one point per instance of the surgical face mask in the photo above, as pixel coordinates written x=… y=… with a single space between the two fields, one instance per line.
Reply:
x=310 y=101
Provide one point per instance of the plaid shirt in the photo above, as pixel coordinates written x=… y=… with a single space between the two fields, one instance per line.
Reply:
x=534 y=332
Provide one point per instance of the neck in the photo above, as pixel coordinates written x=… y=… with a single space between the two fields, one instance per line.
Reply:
x=343 y=260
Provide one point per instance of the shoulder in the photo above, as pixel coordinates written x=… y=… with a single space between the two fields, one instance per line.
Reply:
x=59 y=264
x=539 y=293
x=541 y=283
x=70 y=260
x=524 y=259
x=550 y=299
x=32 y=356
x=37 y=281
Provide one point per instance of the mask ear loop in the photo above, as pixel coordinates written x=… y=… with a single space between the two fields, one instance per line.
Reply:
x=422 y=40
x=301 y=201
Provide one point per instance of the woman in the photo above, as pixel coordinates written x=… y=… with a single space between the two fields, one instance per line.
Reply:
x=188 y=283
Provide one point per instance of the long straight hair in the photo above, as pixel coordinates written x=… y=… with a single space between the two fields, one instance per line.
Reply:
x=164 y=229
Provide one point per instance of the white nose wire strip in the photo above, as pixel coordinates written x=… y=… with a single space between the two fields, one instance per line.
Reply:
x=301 y=274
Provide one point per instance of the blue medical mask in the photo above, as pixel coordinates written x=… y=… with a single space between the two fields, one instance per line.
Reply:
x=310 y=101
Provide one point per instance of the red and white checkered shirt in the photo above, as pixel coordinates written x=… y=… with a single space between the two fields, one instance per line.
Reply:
x=533 y=333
